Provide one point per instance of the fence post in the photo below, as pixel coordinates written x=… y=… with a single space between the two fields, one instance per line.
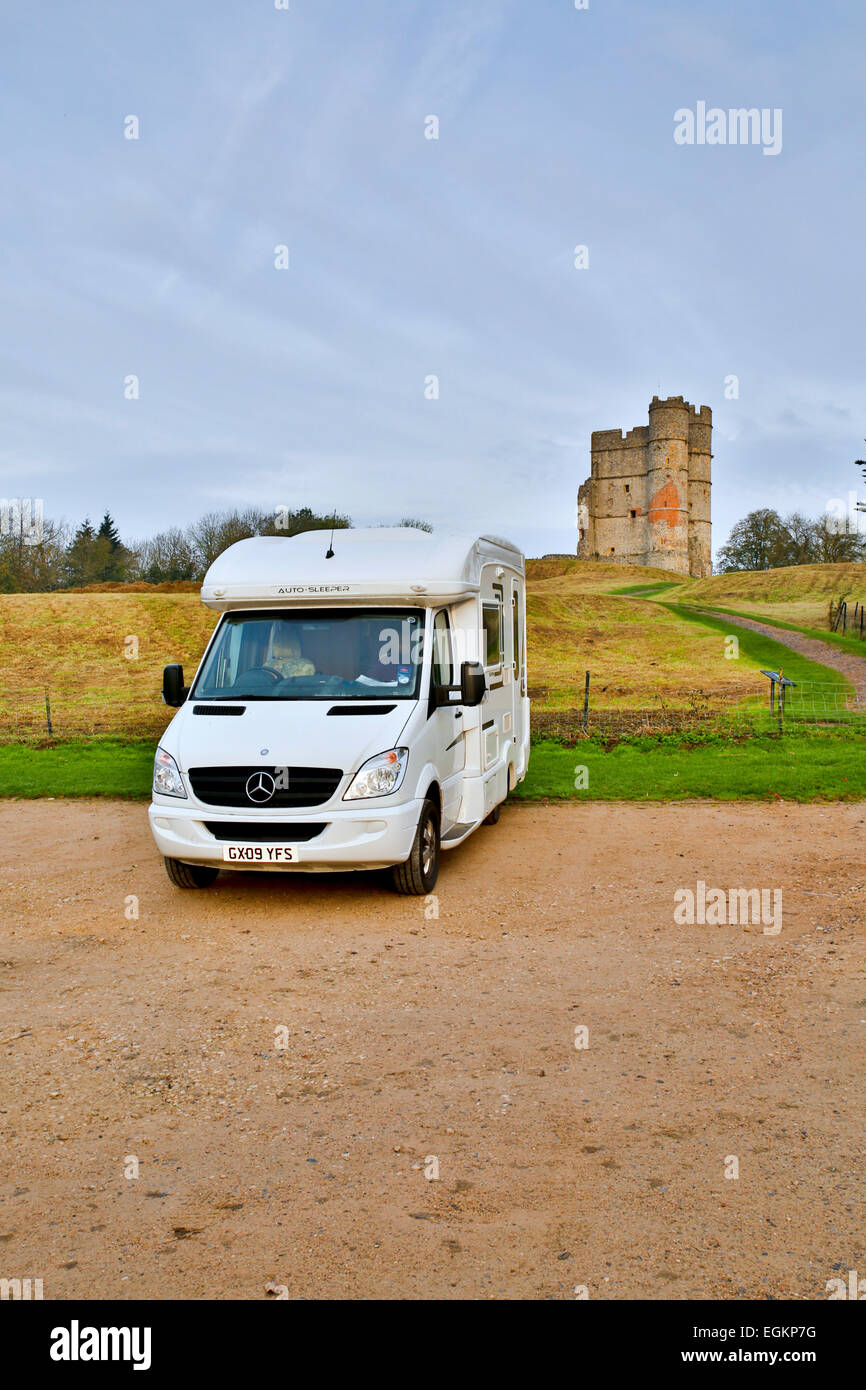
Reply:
x=48 y=712
x=586 y=702
x=845 y=616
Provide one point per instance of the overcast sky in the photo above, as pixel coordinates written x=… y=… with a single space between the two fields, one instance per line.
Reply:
x=412 y=257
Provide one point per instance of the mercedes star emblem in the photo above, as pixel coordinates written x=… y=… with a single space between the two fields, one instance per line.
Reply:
x=261 y=787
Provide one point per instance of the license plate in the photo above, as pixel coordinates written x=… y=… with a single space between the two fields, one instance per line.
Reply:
x=260 y=854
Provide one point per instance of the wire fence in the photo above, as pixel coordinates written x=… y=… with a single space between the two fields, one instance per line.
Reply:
x=46 y=714
x=29 y=714
x=841 y=618
x=739 y=711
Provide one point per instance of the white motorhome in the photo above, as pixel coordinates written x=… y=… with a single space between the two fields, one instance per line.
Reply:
x=360 y=705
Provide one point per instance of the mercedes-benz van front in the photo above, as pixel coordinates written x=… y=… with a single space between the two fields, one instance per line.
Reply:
x=314 y=739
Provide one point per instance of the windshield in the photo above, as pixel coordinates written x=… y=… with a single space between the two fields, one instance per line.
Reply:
x=315 y=654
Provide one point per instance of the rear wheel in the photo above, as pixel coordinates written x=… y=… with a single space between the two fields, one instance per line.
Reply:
x=494 y=815
x=190 y=875
x=419 y=873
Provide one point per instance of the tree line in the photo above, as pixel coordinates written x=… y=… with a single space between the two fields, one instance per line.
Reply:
x=71 y=558
x=67 y=558
x=765 y=540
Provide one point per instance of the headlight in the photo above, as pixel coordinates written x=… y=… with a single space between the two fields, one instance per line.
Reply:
x=166 y=775
x=380 y=775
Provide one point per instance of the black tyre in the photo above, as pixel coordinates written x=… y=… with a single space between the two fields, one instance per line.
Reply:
x=190 y=875
x=494 y=815
x=419 y=873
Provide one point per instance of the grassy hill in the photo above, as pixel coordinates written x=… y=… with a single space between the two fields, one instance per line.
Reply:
x=635 y=649
x=76 y=645
x=798 y=594
x=594 y=576
x=588 y=615
x=655 y=662
x=635 y=629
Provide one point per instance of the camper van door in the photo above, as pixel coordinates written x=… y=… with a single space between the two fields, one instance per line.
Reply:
x=447 y=719
x=518 y=662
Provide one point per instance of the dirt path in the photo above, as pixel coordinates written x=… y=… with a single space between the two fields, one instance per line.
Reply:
x=853 y=668
x=283 y=1063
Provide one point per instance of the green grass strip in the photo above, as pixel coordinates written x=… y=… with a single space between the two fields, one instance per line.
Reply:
x=644 y=589
x=84 y=768
x=795 y=766
x=799 y=766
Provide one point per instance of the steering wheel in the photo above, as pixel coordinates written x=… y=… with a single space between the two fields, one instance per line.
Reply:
x=255 y=672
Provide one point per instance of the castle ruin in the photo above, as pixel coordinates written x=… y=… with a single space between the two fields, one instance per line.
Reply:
x=647 y=501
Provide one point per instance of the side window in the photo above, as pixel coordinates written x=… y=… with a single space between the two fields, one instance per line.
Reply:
x=442 y=664
x=515 y=618
x=492 y=619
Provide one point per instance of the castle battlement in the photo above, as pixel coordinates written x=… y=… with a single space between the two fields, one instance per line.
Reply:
x=616 y=439
x=647 y=500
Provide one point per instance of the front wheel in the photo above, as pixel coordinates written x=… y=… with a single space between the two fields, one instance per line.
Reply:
x=190 y=875
x=419 y=873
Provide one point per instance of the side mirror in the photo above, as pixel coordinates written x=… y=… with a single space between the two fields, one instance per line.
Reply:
x=473 y=683
x=174 y=692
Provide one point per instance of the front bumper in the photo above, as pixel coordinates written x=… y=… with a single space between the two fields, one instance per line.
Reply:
x=370 y=838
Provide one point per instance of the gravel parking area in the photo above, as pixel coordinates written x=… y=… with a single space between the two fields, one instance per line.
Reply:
x=311 y=1087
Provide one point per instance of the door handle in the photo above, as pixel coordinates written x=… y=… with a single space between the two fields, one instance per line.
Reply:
x=458 y=714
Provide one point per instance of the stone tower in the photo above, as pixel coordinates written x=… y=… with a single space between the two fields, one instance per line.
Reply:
x=647 y=501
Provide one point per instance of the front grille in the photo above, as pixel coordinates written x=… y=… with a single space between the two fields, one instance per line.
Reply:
x=266 y=831
x=294 y=786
